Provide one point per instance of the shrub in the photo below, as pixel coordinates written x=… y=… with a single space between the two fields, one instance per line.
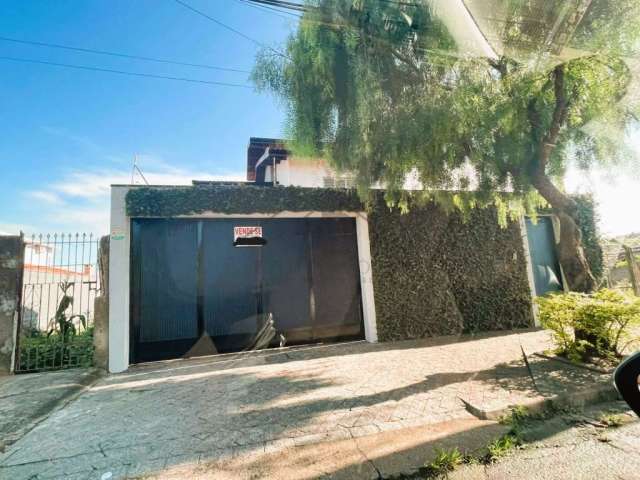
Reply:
x=583 y=325
x=55 y=352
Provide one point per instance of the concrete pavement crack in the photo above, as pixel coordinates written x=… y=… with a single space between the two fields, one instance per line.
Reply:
x=101 y=448
x=364 y=455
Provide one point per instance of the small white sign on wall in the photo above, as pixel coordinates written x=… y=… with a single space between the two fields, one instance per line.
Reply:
x=246 y=232
x=117 y=234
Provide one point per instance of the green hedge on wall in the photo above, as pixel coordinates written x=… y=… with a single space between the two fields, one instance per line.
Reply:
x=433 y=274
x=173 y=201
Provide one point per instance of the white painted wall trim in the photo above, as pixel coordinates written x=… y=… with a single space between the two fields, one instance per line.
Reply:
x=120 y=280
x=366 y=279
x=530 y=277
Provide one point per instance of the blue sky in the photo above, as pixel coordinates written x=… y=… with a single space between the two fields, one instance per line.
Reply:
x=67 y=134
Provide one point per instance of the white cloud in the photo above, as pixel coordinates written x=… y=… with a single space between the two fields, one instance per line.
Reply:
x=92 y=184
x=14 y=228
x=48 y=197
x=617 y=196
x=79 y=200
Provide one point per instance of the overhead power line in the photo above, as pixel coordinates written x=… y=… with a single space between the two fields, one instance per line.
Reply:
x=122 y=72
x=282 y=4
x=224 y=25
x=121 y=55
x=274 y=11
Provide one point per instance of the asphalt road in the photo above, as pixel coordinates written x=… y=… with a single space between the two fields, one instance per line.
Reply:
x=571 y=446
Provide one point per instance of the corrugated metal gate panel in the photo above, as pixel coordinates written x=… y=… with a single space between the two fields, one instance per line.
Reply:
x=168 y=269
x=336 y=279
x=230 y=279
x=286 y=277
x=193 y=292
x=544 y=260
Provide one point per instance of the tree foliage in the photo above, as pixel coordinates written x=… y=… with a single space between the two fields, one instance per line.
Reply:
x=384 y=89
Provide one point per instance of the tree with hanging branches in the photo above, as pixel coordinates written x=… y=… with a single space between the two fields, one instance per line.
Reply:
x=388 y=90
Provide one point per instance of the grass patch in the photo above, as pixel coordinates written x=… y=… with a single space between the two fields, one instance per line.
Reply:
x=612 y=420
x=501 y=447
x=511 y=440
x=446 y=461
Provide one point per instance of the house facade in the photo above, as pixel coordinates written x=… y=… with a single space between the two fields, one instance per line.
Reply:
x=293 y=257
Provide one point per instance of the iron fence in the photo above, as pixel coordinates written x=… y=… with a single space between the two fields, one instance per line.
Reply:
x=61 y=279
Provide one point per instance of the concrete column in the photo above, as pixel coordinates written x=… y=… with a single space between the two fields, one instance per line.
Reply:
x=366 y=279
x=119 y=281
x=11 y=265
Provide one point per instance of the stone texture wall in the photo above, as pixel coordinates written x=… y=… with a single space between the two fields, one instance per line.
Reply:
x=435 y=274
x=11 y=263
x=101 y=309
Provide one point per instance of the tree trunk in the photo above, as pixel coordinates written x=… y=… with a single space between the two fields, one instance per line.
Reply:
x=570 y=253
x=569 y=248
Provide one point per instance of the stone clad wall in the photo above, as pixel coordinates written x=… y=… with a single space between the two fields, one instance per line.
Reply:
x=11 y=264
x=434 y=274
x=101 y=309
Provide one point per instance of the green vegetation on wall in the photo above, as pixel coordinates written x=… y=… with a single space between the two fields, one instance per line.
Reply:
x=434 y=274
x=587 y=221
x=174 y=201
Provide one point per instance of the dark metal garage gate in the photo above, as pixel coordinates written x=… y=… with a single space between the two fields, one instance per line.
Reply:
x=195 y=293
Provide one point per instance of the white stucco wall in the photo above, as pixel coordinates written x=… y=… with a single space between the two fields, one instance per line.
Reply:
x=119 y=282
x=301 y=172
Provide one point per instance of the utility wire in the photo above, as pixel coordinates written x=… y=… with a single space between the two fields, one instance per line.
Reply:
x=224 y=25
x=121 y=72
x=122 y=55
x=283 y=4
x=273 y=11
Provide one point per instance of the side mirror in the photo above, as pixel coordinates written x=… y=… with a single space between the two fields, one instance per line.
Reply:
x=625 y=379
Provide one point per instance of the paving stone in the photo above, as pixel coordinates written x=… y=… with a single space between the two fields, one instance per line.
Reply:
x=271 y=401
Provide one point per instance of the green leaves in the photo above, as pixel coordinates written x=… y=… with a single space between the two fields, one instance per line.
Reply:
x=171 y=202
x=382 y=89
x=606 y=320
x=62 y=323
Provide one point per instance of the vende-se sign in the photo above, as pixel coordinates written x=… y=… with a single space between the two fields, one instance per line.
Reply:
x=246 y=232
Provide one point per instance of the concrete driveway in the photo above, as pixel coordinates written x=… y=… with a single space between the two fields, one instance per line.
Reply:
x=160 y=416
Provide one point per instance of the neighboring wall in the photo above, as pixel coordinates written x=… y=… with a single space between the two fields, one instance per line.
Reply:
x=11 y=260
x=101 y=309
x=434 y=274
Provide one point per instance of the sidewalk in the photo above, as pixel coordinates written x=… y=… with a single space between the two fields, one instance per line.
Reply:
x=388 y=404
x=26 y=400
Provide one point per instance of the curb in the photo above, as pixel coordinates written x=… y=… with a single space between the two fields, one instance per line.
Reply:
x=576 y=365
x=579 y=399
